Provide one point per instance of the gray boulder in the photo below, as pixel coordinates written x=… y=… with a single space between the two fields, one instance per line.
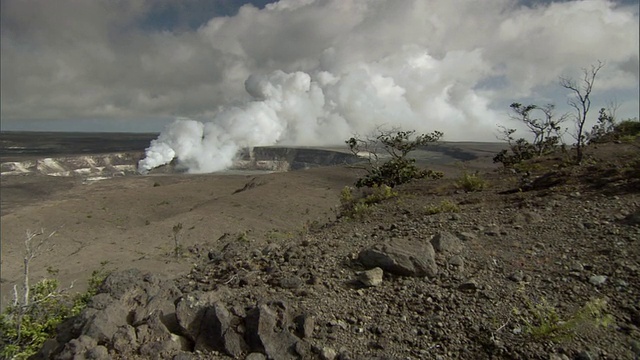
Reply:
x=84 y=347
x=401 y=257
x=371 y=277
x=446 y=243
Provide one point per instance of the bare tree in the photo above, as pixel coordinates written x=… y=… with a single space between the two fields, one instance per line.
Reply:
x=547 y=131
x=581 y=102
x=547 y=134
x=31 y=250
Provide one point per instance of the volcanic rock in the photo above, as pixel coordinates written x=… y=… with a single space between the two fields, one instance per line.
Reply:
x=446 y=243
x=401 y=257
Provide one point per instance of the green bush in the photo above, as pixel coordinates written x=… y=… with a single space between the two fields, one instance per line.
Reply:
x=445 y=206
x=396 y=172
x=608 y=130
x=471 y=182
x=23 y=329
x=355 y=206
x=546 y=133
x=543 y=322
x=519 y=151
x=628 y=130
x=399 y=168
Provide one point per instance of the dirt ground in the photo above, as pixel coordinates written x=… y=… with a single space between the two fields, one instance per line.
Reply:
x=551 y=239
x=127 y=222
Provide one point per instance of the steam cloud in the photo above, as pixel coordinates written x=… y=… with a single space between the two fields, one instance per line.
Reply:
x=303 y=71
x=324 y=108
x=411 y=65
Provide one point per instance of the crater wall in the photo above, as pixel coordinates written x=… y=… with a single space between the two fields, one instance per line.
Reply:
x=125 y=163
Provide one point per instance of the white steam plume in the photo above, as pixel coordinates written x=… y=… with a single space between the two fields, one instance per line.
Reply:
x=281 y=101
x=349 y=66
x=327 y=108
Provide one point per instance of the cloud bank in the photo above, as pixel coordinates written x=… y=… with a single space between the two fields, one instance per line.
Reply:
x=305 y=71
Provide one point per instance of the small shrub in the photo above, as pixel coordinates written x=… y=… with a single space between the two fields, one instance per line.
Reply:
x=542 y=320
x=628 y=138
x=628 y=130
x=346 y=195
x=546 y=130
x=528 y=167
x=277 y=235
x=396 y=167
x=352 y=206
x=471 y=182
x=95 y=280
x=242 y=237
x=603 y=130
x=378 y=194
x=396 y=172
x=23 y=329
x=521 y=150
x=310 y=226
x=445 y=206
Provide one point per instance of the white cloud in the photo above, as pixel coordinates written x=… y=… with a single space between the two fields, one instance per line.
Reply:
x=451 y=65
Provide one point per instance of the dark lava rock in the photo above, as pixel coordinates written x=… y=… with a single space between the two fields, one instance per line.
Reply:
x=127 y=301
x=265 y=335
x=84 y=347
x=190 y=311
x=218 y=332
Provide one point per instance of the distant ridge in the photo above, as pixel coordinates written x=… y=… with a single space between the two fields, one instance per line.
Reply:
x=20 y=144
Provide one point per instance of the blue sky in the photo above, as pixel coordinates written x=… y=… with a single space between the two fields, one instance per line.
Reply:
x=137 y=65
x=193 y=13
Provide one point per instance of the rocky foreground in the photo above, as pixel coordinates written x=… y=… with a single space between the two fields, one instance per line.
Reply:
x=542 y=266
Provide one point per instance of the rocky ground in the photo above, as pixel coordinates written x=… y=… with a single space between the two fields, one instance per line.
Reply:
x=543 y=265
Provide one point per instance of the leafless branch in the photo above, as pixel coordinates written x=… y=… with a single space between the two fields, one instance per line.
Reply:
x=581 y=101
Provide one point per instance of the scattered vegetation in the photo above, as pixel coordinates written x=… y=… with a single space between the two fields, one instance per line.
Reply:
x=445 y=206
x=278 y=235
x=628 y=130
x=310 y=226
x=607 y=129
x=471 y=182
x=547 y=129
x=387 y=157
x=242 y=236
x=94 y=282
x=542 y=320
x=547 y=134
x=33 y=317
x=355 y=205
